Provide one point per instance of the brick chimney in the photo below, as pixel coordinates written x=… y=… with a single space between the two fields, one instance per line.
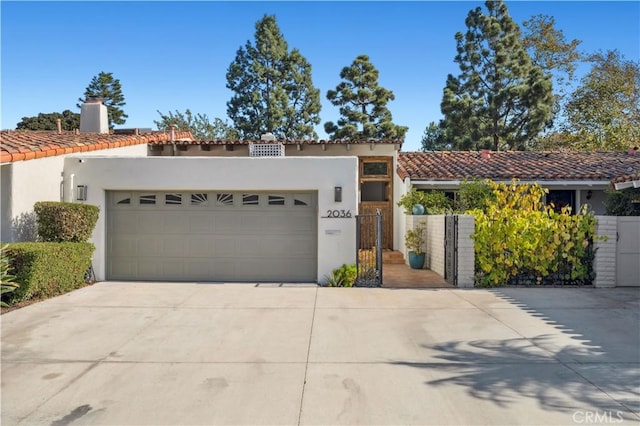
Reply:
x=485 y=154
x=633 y=151
x=94 y=117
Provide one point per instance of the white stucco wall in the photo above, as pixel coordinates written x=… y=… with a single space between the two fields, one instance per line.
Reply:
x=336 y=237
x=26 y=182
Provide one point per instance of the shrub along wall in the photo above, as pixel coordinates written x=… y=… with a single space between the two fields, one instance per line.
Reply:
x=48 y=269
x=65 y=221
x=519 y=240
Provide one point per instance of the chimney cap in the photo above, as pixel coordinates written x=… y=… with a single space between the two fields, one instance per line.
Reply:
x=93 y=100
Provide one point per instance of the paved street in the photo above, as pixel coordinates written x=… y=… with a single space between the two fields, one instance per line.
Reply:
x=240 y=354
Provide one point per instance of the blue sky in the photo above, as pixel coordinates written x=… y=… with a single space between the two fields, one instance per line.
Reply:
x=174 y=55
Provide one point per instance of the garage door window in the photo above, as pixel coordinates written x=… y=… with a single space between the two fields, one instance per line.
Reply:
x=301 y=200
x=250 y=199
x=122 y=198
x=276 y=200
x=199 y=199
x=173 y=199
x=224 y=199
x=148 y=199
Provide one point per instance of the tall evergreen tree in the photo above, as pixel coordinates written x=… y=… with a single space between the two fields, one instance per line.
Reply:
x=363 y=105
x=273 y=89
x=69 y=121
x=433 y=138
x=501 y=100
x=107 y=88
x=604 y=111
x=550 y=50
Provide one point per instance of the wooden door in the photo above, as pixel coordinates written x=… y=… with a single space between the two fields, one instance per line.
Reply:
x=376 y=192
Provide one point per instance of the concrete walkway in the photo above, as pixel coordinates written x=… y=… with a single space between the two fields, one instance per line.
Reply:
x=165 y=354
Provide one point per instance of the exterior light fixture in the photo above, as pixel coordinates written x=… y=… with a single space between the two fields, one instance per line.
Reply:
x=81 y=193
x=589 y=194
x=337 y=194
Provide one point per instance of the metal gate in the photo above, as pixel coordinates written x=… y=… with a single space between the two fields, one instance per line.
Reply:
x=451 y=249
x=369 y=250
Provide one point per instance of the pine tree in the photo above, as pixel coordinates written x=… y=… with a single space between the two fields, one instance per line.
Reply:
x=433 y=138
x=501 y=100
x=273 y=89
x=105 y=87
x=363 y=105
x=550 y=50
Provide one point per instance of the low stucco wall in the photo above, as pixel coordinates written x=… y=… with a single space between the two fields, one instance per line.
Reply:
x=26 y=182
x=336 y=236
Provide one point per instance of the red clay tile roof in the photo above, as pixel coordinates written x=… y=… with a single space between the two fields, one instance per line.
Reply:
x=19 y=145
x=285 y=142
x=626 y=178
x=523 y=165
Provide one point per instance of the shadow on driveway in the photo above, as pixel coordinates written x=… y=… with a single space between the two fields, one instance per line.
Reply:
x=589 y=355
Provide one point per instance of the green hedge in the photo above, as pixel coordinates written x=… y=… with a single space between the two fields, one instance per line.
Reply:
x=48 y=269
x=625 y=202
x=58 y=221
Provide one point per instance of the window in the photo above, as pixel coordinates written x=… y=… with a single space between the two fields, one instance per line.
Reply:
x=224 y=199
x=173 y=199
x=122 y=198
x=250 y=199
x=562 y=198
x=302 y=200
x=374 y=191
x=148 y=199
x=276 y=200
x=200 y=199
x=375 y=169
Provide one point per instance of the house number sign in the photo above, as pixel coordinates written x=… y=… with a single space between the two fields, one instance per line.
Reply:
x=337 y=214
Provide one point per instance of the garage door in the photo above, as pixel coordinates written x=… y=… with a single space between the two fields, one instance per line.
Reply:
x=212 y=236
x=628 y=252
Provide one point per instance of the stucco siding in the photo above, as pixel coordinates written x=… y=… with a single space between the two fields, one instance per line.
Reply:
x=336 y=236
x=28 y=182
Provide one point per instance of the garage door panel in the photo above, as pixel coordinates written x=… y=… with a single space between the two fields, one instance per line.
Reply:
x=199 y=245
x=215 y=241
x=174 y=247
x=123 y=268
x=126 y=246
x=224 y=246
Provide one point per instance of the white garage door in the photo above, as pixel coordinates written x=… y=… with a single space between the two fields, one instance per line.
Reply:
x=628 y=252
x=212 y=236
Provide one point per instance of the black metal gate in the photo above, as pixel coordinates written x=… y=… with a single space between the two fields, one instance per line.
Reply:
x=369 y=250
x=451 y=249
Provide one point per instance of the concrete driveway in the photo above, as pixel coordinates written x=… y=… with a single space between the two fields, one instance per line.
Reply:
x=164 y=354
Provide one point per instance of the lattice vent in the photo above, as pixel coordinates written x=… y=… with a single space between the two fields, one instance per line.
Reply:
x=266 y=149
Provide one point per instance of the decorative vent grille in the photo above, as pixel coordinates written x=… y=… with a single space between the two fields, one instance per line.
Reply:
x=266 y=149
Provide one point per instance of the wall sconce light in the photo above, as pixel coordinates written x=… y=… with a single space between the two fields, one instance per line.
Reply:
x=81 y=193
x=337 y=194
x=589 y=194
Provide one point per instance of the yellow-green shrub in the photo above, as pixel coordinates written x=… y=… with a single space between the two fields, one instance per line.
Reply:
x=518 y=236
